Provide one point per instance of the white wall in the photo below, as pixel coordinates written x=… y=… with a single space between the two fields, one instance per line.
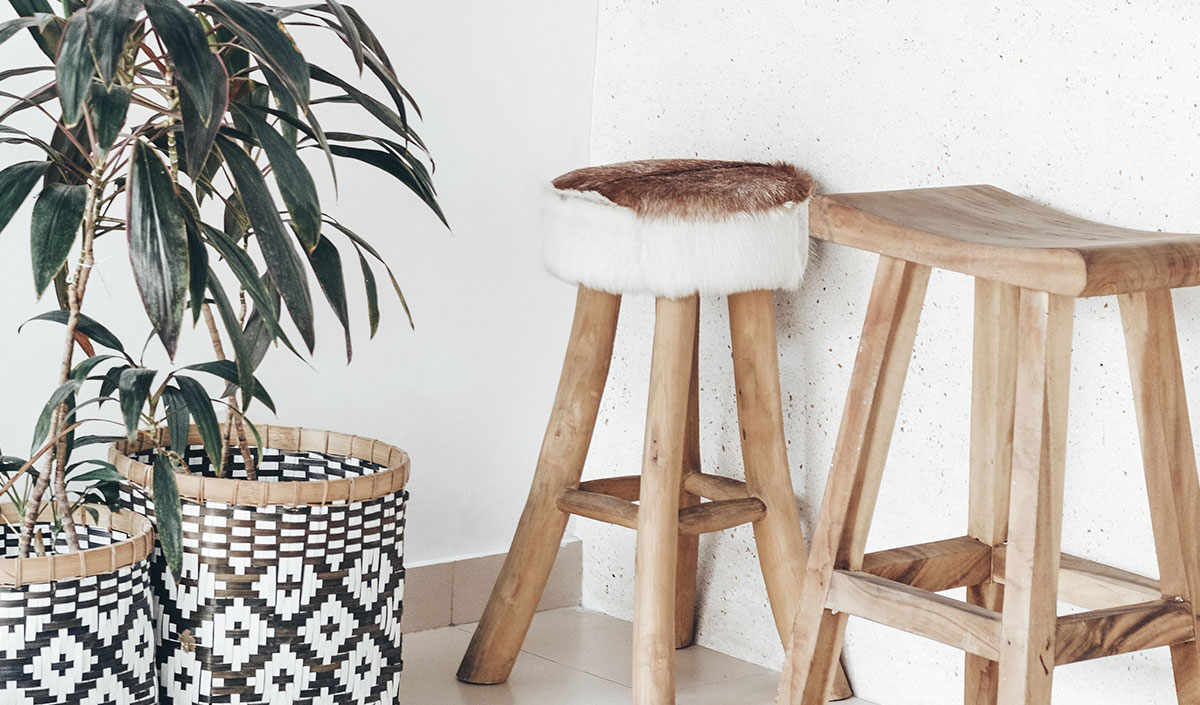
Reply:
x=1088 y=107
x=506 y=93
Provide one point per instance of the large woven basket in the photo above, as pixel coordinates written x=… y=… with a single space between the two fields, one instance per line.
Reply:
x=78 y=627
x=292 y=585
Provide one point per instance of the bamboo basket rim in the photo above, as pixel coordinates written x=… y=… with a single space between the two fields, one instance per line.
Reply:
x=101 y=560
x=292 y=493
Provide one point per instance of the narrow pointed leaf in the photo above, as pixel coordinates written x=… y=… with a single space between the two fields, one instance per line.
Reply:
x=198 y=272
x=280 y=254
x=74 y=69
x=228 y=371
x=390 y=118
x=88 y=326
x=133 y=387
x=184 y=38
x=16 y=182
x=199 y=132
x=168 y=520
x=60 y=395
x=158 y=245
x=233 y=328
x=372 y=294
x=361 y=243
x=352 y=38
x=109 y=23
x=327 y=265
x=395 y=166
x=265 y=36
x=57 y=214
x=109 y=107
x=177 y=419
x=200 y=407
x=47 y=36
x=295 y=182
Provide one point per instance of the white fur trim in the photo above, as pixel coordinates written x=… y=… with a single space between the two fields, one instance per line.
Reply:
x=594 y=242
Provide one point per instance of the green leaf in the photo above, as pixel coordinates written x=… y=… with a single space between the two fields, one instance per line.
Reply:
x=200 y=407
x=92 y=440
x=327 y=265
x=134 y=387
x=295 y=182
x=395 y=166
x=228 y=371
x=111 y=379
x=372 y=294
x=265 y=36
x=104 y=472
x=60 y=395
x=352 y=38
x=10 y=28
x=158 y=245
x=390 y=118
x=359 y=242
x=109 y=107
x=74 y=69
x=234 y=328
x=88 y=326
x=49 y=35
x=16 y=182
x=109 y=23
x=57 y=214
x=283 y=262
x=199 y=134
x=187 y=45
x=198 y=274
x=84 y=368
x=168 y=519
x=32 y=99
x=177 y=418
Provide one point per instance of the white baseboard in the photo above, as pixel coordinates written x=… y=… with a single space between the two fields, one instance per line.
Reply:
x=456 y=591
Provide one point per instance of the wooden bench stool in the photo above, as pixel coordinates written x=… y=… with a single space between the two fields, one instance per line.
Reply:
x=1030 y=263
x=673 y=229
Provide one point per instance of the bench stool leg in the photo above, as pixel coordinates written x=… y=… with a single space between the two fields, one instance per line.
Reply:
x=658 y=510
x=863 y=438
x=993 y=386
x=501 y=631
x=1030 y=617
x=1170 y=462
x=688 y=557
x=778 y=535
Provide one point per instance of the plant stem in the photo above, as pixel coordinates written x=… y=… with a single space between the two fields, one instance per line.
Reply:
x=233 y=421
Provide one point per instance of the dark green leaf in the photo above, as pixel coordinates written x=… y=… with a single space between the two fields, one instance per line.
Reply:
x=158 y=245
x=264 y=35
x=104 y=472
x=327 y=265
x=281 y=257
x=50 y=34
x=134 y=387
x=184 y=37
x=199 y=133
x=84 y=368
x=34 y=98
x=228 y=371
x=352 y=38
x=198 y=274
x=16 y=182
x=92 y=440
x=363 y=244
x=111 y=379
x=372 y=294
x=244 y=269
x=395 y=166
x=295 y=183
x=234 y=328
x=88 y=326
x=74 y=69
x=57 y=214
x=200 y=407
x=390 y=118
x=60 y=395
x=109 y=23
x=168 y=520
x=109 y=107
x=11 y=27
x=177 y=418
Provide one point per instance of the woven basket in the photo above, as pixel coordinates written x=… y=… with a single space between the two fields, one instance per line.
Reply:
x=292 y=585
x=78 y=627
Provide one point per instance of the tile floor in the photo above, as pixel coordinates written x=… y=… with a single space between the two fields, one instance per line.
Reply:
x=574 y=657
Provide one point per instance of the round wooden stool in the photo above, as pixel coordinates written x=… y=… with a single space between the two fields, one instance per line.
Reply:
x=1030 y=263
x=673 y=229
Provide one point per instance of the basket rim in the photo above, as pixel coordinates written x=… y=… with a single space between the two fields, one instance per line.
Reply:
x=101 y=560
x=293 y=493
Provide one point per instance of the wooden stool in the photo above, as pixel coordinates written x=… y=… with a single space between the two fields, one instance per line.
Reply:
x=673 y=229
x=1030 y=264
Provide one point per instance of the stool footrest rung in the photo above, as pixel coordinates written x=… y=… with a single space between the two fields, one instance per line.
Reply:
x=1090 y=584
x=1120 y=630
x=934 y=566
x=698 y=519
x=626 y=487
x=602 y=507
x=928 y=614
x=714 y=487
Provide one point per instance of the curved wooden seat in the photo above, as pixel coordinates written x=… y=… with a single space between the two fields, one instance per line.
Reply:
x=987 y=232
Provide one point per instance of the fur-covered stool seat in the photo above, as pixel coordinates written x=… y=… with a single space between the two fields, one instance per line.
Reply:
x=674 y=227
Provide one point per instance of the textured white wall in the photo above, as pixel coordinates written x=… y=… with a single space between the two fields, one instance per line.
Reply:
x=506 y=93
x=1088 y=107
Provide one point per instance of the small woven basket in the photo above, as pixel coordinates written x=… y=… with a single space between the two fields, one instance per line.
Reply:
x=292 y=584
x=78 y=627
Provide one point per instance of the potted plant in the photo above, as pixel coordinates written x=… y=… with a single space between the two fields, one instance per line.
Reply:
x=181 y=127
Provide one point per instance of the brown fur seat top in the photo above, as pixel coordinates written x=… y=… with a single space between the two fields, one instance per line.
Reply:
x=692 y=188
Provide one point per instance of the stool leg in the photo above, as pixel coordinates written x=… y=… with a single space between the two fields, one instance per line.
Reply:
x=658 y=511
x=866 y=431
x=993 y=389
x=1030 y=619
x=501 y=631
x=1170 y=462
x=778 y=535
x=688 y=555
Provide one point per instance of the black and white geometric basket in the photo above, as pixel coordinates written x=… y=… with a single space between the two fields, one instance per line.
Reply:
x=77 y=627
x=292 y=585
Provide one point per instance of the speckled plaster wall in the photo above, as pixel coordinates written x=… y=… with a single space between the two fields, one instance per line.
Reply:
x=1090 y=107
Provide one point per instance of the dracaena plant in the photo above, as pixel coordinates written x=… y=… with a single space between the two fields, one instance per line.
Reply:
x=180 y=128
